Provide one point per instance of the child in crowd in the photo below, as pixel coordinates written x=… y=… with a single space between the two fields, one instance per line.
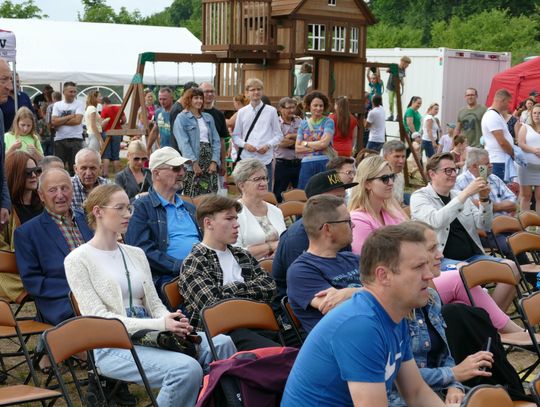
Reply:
x=43 y=130
x=375 y=82
x=460 y=151
x=22 y=135
x=446 y=141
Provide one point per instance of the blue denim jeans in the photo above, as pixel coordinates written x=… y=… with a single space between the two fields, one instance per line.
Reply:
x=498 y=170
x=445 y=262
x=374 y=145
x=308 y=169
x=427 y=147
x=179 y=376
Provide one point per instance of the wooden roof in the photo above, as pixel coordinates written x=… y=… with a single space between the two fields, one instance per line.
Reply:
x=288 y=7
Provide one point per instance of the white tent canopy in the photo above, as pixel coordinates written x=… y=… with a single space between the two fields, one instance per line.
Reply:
x=100 y=54
x=8 y=46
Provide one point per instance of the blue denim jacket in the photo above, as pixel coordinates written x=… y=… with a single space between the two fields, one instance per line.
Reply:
x=440 y=377
x=148 y=230
x=187 y=135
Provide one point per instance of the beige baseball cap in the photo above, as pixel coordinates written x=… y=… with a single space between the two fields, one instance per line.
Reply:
x=167 y=156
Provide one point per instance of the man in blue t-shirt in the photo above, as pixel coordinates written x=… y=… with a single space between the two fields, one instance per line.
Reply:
x=162 y=120
x=323 y=277
x=357 y=351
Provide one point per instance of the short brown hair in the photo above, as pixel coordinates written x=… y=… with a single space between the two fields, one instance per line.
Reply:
x=211 y=204
x=320 y=209
x=503 y=94
x=383 y=248
x=338 y=162
x=315 y=94
x=99 y=196
x=435 y=160
x=188 y=95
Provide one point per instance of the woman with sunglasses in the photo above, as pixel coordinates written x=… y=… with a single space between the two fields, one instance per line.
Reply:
x=198 y=140
x=261 y=223
x=22 y=176
x=113 y=280
x=135 y=179
x=372 y=207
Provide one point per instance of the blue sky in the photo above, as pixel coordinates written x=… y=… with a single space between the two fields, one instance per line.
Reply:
x=66 y=10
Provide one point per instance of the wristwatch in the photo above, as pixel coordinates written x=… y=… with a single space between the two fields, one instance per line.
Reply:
x=305 y=143
x=485 y=200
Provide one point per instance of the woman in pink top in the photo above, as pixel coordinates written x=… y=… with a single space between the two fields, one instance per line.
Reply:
x=371 y=203
x=372 y=206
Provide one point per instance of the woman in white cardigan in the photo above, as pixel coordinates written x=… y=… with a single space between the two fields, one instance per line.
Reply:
x=113 y=280
x=261 y=223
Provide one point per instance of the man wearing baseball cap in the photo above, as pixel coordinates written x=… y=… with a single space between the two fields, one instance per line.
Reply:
x=163 y=225
x=294 y=241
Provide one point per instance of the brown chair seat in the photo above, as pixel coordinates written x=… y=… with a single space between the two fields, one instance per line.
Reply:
x=530 y=268
x=518 y=338
x=17 y=394
x=524 y=404
x=27 y=327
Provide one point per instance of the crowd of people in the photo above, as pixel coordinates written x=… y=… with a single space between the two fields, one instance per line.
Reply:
x=372 y=288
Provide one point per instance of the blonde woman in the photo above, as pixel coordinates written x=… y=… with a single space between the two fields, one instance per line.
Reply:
x=430 y=130
x=529 y=177
x=93 y=121
x=135 y=179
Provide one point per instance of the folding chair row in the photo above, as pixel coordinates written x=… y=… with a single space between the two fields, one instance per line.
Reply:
x=486 y=395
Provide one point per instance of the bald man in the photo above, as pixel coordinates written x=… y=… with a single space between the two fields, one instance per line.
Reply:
x=87 y=169
x=42 y=243
x=6 y=86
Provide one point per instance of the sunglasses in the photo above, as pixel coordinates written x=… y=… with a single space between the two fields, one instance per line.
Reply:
x=34 y=170
x=143 y=159
x=384 y=178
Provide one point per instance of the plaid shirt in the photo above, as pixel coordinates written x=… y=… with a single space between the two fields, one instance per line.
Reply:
x=201 y=280
x=499 y=191
x=69 y=229
x=80 y=193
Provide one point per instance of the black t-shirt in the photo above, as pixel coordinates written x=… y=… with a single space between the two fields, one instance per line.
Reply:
x=219 y=120
x=437 y=343
x=175 y=111
x=27 y=212
x=459 y=245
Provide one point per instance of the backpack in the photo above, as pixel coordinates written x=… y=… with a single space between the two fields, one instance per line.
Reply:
x=250 y=378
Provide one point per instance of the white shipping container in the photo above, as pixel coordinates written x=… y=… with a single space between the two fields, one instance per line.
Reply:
x=440 y=75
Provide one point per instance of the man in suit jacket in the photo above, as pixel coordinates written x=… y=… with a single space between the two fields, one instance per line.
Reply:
x=6 y=86
x=41 y=244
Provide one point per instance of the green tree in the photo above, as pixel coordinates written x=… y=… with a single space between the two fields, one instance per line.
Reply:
x=493 y=30
x=26 y=9
x=383 y=35
x=98 y=11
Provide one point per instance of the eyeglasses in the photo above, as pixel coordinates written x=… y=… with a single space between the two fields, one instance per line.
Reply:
x=449 y=171
x=349 y=221
x=34 y=170
x=258 y=179
x=143 y=159
x=209 y=91
x=350 y=173
x=173 y=169
x=386 y=178
x=121 y=208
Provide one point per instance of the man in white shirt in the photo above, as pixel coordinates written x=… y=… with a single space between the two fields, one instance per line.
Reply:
x=394 y=152
x=67 y=117
x=266 y=133
x=497 y=139
x=375 y=122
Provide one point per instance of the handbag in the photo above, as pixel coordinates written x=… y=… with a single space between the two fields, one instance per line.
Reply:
x=161 y=339
x=240 y=149
x=330 y=151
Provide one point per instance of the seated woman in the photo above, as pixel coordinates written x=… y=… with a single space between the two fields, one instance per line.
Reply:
x=373 y=206
x=113 y=280
x=215 y=270
x=430 y=346
x=135 y=179
x=261 y=223
x=22 y=174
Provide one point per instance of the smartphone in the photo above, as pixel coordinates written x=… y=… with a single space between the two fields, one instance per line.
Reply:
x=483 y=170
x=488 y=349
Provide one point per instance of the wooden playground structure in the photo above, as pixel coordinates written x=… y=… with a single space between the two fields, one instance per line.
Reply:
x=268 y=39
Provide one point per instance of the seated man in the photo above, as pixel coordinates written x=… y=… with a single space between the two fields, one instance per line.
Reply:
x=163 y=225
x=346 y=169
x=357 y=351
x=394 y=152
x=294 y=241
x=42 y=243
x=456 y=218
x=215 y=270
x=323 y=277
x=87 y=168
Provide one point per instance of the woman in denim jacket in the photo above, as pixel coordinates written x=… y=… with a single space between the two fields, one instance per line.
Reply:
x=438 y=369
x=198 y=140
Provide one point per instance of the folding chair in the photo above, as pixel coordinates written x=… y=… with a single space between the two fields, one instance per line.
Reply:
x=529 y=218
x=291 y=209
x=270 y=198
x=503 y=224
x=293 y=319
x=171 y=293
x=266 y=265
x=82 y=334
x=228 y=315
x=525 y=242
x=535 y=389
x=294 y=195
x=8 y=265
x=530 y=309
x=485 y=395
x=18 y=394
x=487 y=271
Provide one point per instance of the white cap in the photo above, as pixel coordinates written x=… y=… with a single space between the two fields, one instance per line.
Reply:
x=168 y=156
x=415 y=134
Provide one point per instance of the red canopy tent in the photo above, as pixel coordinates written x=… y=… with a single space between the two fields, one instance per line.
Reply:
x=519 y=80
